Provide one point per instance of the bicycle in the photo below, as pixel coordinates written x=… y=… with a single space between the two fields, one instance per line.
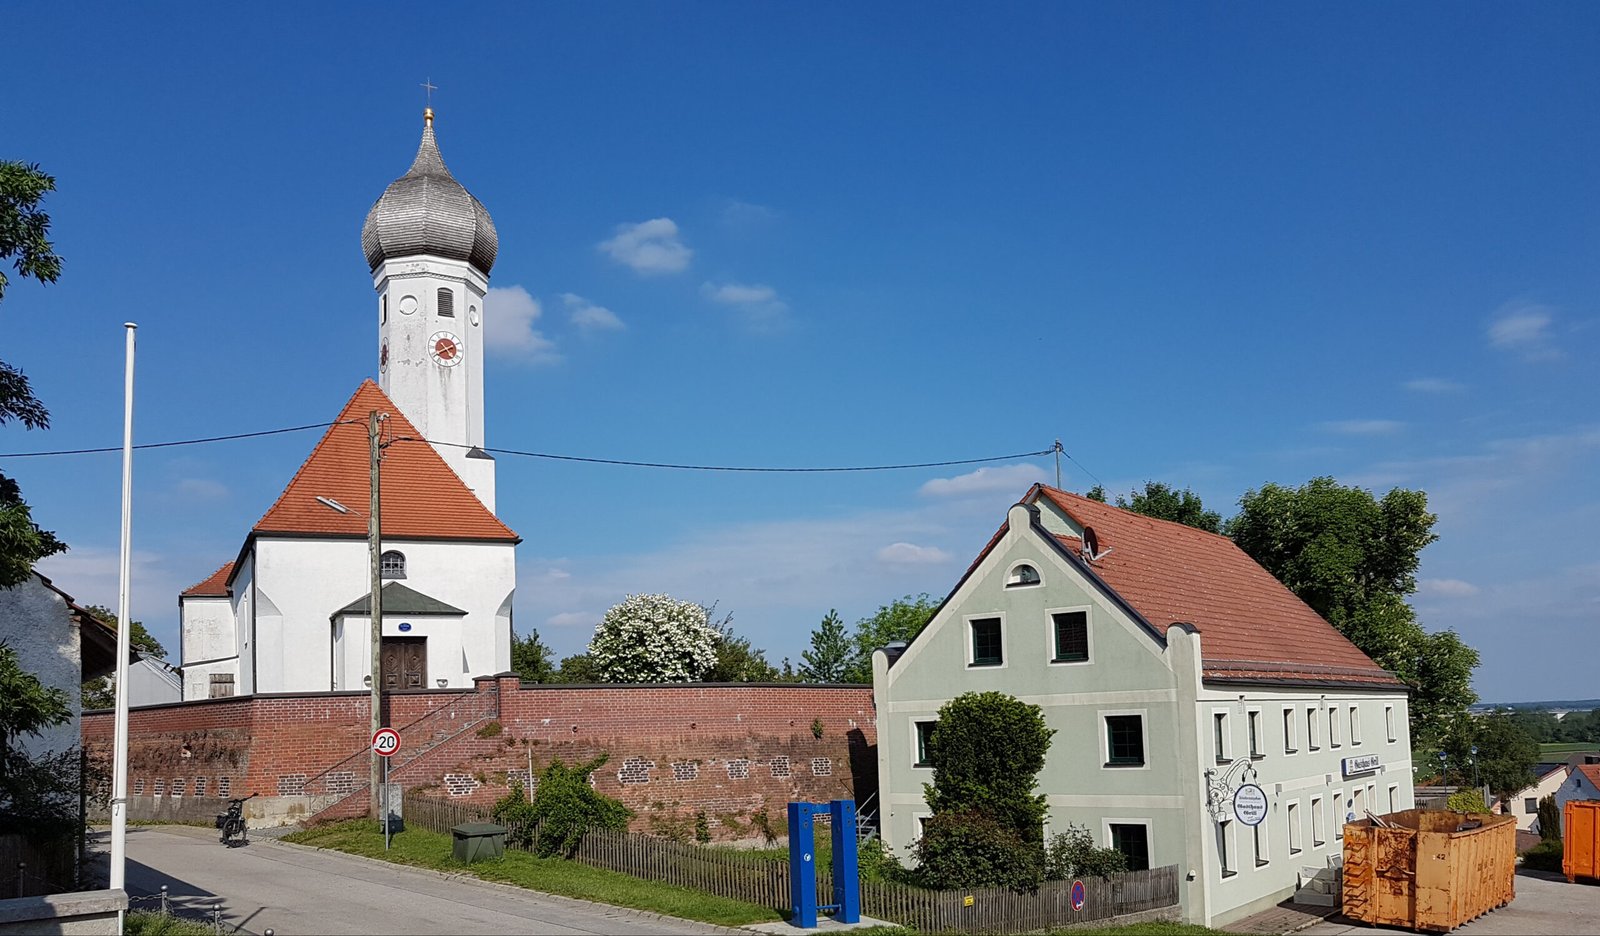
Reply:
x=231 y=823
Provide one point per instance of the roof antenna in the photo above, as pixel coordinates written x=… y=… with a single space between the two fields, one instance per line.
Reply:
x=1058 y=464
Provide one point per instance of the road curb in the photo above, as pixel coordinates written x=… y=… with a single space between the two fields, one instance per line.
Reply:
x=464 y=878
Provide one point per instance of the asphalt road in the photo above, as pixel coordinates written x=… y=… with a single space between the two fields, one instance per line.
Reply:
x=1545 y=903
x=294 y=890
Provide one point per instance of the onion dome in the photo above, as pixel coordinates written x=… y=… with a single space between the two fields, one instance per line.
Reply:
x=426 y=211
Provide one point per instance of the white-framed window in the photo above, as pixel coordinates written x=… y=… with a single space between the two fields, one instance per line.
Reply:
x=1290 y=741
x=1124 y=744
x=1227 y=848
x=921 y=731
x=919 y=821
x=1220 y=746
x=1355 y=725
x=1319 y=826
x=986 y=640
x=1022 y=575
x=1068 y=636
x=383 y=309
x=1388 y=722
x=1292 y=820
x=1333 y=726
x=1262 y=842
x=1340 y=808
x=1132 y=838
x=392 y=564
x=1311 y=729
x=1258 y=741
x=1394 y=798
x=1358 y=803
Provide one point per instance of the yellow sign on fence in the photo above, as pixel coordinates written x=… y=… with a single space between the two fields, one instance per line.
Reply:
x=967 y=901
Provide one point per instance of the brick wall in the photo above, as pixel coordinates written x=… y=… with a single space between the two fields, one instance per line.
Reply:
x=731 y=751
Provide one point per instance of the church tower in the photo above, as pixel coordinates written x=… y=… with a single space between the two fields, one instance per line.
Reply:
x=431 y=245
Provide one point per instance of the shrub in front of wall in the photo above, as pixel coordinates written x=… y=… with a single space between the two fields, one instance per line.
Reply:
x=973 y=849
x=566 y=807
x=1466 y=801
x=1545 y=856
x=1073 y=854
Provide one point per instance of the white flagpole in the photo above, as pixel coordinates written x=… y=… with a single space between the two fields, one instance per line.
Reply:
x=119 y=782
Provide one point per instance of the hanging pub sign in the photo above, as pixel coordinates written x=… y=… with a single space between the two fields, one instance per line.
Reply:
x=1250 y=804
x=1364 y=764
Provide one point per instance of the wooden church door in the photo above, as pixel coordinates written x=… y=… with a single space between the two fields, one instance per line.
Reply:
x=405 y=662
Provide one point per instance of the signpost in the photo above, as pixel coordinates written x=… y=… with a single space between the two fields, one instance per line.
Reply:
x=385 y=742
x=1077 y=896
x=1250 y=804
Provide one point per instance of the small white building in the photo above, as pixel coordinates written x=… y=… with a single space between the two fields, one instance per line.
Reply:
x=288 y=614
x=61 y=643
x=1583 y=783
x=1176 y=672
x=1525 y=804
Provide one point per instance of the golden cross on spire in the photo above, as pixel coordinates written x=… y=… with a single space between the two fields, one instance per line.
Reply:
x=429 y=87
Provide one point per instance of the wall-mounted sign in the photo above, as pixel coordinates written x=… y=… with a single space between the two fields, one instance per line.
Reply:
x=1250 y=804
x=1366 y=763
x=405 y=627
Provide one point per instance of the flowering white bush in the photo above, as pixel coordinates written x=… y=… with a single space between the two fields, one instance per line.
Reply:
x=653 y=638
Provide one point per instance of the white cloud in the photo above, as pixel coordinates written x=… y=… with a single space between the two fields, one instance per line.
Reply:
x=1523 y=328
x=912 y=554
x=585 y=620
x=758 y=303
x=201 y=489
x=1011 y=479
x=1447 y=588
x=509 y=314
x=648 y=247
x=745 y=215
x=92 y=575
x=1434 y=385
x=1364 y=427
x=590 y=317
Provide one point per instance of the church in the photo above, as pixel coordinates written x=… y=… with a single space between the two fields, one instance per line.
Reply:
x=291 y=612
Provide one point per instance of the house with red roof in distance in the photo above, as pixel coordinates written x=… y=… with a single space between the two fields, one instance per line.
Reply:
x=1583 y=783
x=291 y=611
x=1204 y=716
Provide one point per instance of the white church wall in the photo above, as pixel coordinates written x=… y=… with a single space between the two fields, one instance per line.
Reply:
x=210 y=643
x=310 y=579
x=244 y=609
x=352 y=650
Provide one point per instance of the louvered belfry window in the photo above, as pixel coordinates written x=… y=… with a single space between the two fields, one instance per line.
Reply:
x=447 y=303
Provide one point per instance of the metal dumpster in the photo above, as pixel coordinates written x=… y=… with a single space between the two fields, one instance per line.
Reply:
x=1429 y=869
x=477 y=841
x=1580 y=843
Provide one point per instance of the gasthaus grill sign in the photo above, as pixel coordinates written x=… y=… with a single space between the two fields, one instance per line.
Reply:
x=1366 y=763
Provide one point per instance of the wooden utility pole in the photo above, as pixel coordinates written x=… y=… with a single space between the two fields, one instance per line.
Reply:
x=375 y=549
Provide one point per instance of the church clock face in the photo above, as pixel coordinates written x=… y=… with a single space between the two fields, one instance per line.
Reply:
x=446 y=349
x=383 y=356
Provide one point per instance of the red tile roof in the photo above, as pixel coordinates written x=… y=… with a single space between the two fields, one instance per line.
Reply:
x=422 y=498
x=1252 y=627
x=1592 y=771
x=214 y=585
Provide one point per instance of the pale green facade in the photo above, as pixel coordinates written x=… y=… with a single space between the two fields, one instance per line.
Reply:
x=1133 y=671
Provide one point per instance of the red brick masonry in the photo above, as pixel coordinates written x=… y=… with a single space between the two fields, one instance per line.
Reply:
x=733 y=751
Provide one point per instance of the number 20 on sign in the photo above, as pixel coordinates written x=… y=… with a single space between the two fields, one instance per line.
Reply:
x=386 y=742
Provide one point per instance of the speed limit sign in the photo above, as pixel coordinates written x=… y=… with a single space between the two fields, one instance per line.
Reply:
x=386 y=742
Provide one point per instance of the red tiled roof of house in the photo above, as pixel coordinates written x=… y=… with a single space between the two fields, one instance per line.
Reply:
x=1251 y=626
x=1592 y=771
x=214 y=585
x=422 y=498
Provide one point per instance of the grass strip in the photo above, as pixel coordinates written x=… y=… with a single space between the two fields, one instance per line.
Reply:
x=432 y=850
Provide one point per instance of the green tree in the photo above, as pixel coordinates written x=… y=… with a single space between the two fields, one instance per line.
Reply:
x=901 y=619
x=1096 y=493
x=101 y=692
x=24 y=239
x=578 y=668
x=530 y=658
x=654 y=639
x=737 y=659
x=1353 y=558
x=1504 y=760
x=38 y=790
x=987 y=828
x=1549 y=819
x=1166 y=503
x=829 y=657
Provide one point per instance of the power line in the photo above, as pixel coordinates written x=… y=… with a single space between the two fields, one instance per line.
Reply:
x=157 y=445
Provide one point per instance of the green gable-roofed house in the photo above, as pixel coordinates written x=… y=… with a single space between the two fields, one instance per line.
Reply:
x=1174 y=669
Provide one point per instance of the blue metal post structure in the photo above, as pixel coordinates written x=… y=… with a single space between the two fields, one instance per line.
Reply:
x=846 y=875
x=802 y=866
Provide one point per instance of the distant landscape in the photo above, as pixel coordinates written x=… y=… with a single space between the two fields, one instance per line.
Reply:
x=1578 y=705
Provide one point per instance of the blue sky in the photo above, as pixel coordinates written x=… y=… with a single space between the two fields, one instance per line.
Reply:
x=1214 y=245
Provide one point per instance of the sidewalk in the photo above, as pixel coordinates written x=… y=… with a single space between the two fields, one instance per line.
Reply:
x=1287 y=917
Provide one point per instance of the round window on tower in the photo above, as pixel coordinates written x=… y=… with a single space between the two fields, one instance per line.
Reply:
x=472 y=314
x=408 y=305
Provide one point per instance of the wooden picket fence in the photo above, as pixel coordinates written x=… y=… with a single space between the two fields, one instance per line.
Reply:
x=764 y=881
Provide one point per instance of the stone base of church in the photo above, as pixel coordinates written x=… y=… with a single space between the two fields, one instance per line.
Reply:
x=735 y=752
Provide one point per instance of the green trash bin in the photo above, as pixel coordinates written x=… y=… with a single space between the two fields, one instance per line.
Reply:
x=477 y=841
